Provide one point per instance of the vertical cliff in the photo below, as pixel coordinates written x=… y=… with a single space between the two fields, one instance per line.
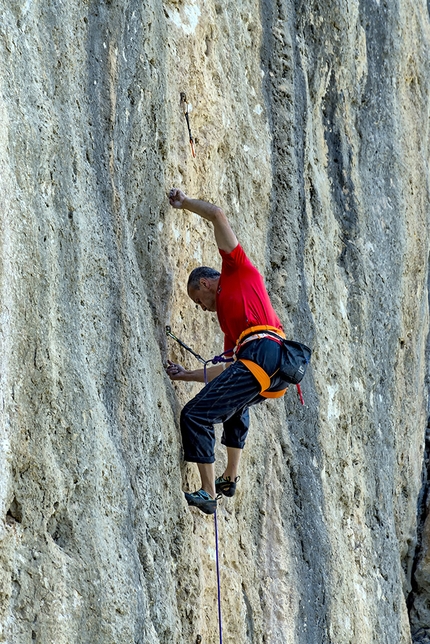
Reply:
x=311 y=123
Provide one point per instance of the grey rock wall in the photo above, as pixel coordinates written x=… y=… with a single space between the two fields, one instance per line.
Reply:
x=311 y=123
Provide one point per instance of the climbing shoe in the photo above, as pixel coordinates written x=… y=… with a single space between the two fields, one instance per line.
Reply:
x=201 y=500
x=226 y=486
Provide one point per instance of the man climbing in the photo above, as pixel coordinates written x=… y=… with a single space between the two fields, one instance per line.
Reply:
x=252 y=332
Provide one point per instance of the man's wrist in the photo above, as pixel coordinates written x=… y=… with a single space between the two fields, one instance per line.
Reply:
x=186 y=203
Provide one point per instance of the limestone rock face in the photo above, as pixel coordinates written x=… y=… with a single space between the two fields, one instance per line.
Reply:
x=311 y=128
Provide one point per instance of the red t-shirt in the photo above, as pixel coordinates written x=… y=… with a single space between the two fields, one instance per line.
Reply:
x=242 y=299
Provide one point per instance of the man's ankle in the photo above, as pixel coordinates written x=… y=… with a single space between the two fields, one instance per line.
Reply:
x=229 y=475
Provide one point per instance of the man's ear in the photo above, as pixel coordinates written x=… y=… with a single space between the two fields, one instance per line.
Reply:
x=204 y=283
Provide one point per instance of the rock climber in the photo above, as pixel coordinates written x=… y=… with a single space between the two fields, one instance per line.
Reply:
x=252 y=333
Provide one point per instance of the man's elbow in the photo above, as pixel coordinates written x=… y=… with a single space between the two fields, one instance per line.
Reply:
x=219 y=214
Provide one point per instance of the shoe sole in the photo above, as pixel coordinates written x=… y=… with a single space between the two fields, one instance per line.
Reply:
x=228 y=491
x=208 y=507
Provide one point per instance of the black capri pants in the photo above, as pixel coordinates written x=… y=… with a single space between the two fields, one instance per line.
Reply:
x=227 y=399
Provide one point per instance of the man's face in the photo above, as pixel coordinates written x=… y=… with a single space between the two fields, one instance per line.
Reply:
x=205 y=296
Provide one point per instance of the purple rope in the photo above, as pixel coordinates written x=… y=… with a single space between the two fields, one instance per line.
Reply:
x=215 y=360
x=216 y=533
x=218 y=579
x=221 y=358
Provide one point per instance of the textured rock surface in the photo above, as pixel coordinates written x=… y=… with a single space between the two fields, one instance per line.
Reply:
x=312 y=131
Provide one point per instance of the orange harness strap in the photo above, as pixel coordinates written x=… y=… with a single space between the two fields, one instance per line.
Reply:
x=274 y=394
x=261 y=327
x=263 y=379
x=257 y=371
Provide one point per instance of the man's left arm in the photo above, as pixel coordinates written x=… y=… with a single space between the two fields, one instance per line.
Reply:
x=224 y=236
x=177 y=372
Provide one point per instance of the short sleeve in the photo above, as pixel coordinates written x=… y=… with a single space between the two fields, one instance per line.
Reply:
x=231 y=261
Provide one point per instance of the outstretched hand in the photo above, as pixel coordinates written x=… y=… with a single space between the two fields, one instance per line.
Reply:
x=175 y=371
x=176 y=198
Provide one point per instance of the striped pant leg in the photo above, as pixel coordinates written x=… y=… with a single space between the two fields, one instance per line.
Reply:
x=224 y=399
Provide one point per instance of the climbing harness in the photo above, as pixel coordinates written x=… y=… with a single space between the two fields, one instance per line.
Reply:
x=254 y=333
x=258 y=333
x=186 y=109
x=296 y=357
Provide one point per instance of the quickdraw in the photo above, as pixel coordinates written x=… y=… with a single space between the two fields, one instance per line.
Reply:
x=186 y=110
x=214 y=360
x=184 y=346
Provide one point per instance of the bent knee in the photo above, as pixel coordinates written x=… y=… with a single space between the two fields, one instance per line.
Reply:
x=186 y=415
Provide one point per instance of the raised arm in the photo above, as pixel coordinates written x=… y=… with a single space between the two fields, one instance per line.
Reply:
x=224 y=236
